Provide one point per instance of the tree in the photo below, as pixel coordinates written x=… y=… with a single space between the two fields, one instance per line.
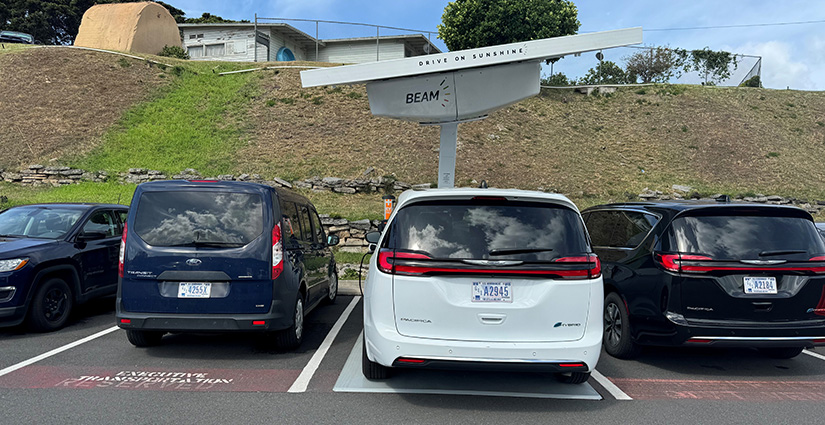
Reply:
x=713 y=66
x=556 y=80
x=467 y=24
x=657 y=64
x=606 y=72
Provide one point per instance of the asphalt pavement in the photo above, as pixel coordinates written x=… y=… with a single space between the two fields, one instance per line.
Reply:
x=243 y=378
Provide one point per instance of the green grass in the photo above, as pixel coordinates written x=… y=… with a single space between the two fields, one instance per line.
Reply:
x=342 y=257
x=109 y=192
x=12 y=47
x=350 y=207
x=196 y=124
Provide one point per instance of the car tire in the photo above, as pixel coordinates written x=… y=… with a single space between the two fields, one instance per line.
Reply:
x=51 y=306
x=291 y=337
x=617 y=340
x=332 y=295
x=372 y=370
x=781 y=352
x=144 y=338
x=573 y=377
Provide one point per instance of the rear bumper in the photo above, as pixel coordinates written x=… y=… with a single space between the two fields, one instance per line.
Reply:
x=736 y=334
x=387 y=346
x=279 y=317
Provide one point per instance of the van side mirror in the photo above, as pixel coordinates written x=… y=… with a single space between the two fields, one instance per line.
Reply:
x=373 y=237
x=333 y=240
x=382 y=225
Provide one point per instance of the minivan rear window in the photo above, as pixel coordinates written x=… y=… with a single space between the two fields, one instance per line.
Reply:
x=737 y=237
x=199 y=218
x=528 y=231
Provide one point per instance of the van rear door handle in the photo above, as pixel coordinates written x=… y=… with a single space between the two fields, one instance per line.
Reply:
x=492 y=319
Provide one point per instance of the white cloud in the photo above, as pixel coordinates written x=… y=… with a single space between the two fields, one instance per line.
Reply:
x=783 y=66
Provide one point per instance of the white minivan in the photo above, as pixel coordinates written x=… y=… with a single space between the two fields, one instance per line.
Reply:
x=494 y=279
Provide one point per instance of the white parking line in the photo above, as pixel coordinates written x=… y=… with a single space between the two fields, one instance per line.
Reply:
x=301 y=383
x=608 y=385
x=812 y=354
x=58 y=350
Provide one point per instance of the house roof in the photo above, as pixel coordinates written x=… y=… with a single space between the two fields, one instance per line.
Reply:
x=302 y=38
x=418 y=42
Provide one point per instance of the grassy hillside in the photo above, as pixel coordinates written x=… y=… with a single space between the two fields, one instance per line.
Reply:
x=595 y=149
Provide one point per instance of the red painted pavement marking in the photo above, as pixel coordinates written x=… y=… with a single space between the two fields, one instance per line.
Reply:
x=661 y=389
x=242 y=380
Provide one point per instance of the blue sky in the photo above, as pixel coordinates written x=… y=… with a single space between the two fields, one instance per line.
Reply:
x=792 y=55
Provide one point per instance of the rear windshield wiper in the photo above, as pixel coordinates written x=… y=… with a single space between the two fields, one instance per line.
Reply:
x=209 y=244
x=782 y=252
x=518 y=251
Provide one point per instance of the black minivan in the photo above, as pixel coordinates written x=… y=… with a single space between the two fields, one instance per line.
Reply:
x=215 y=256
x=709 y=274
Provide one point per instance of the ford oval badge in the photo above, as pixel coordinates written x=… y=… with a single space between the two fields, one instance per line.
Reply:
x=193 y=262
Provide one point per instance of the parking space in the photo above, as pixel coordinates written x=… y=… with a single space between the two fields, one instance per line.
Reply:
x=244 y=376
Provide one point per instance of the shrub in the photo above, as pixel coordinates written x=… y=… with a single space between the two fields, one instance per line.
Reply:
x=556 y=80
x=174 y=52
x=752 y=82
x=124 y=63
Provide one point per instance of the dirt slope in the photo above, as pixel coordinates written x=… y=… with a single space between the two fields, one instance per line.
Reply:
x=56 y=101
x=716 y=139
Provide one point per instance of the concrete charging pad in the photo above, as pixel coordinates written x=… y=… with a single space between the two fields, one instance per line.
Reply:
x=420 y=381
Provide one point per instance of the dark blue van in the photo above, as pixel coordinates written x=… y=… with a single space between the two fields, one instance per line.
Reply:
x=210 y=256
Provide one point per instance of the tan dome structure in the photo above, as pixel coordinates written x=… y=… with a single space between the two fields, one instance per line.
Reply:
x=132 y=27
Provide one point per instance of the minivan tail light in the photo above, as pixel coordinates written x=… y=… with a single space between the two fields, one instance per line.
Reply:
x=590 y=273
x=675 y=263
x=277 y=252
x=122 y=255
x=387 y=264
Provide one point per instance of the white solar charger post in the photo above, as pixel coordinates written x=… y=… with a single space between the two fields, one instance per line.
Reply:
x=449 y=88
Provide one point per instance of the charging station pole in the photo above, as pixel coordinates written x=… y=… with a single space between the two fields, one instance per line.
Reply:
x=447 y=154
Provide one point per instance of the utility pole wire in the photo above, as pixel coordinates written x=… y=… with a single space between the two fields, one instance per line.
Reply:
x=738 y=26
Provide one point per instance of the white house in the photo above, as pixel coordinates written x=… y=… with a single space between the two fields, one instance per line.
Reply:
x=283 y=42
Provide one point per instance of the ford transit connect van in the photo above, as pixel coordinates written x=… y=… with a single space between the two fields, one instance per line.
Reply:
x=206 y=256
x=483 y=279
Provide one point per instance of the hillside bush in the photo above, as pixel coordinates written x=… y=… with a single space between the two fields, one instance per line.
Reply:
x=754 y=81
x=556 y=80
x=174 y=52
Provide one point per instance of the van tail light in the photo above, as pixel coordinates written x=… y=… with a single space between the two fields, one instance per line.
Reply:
x=387 y=263
x=592 y=272
x=676 y=263
x=277 y=252
x=122 y=255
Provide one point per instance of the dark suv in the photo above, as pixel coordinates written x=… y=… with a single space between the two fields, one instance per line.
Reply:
x=221 y=257
x=709 y=274
x=54 y=256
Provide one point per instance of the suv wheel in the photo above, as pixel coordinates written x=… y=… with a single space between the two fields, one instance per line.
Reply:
x=51 y=306
x=781 y=352
x=333 y=289
x=144 y=338
x=573 y=377
x=372 y=370
x=617 y=340
x=292 y=336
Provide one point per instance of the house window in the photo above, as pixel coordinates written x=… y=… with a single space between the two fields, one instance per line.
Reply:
x=192 y=36
x=195 y=51
x=213 y=50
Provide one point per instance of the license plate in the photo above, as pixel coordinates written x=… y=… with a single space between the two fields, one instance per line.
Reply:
x=496 y=292
x=194 y=289
x=760 y=285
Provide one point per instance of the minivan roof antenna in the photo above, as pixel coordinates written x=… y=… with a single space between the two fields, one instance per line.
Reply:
x=483 y=184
